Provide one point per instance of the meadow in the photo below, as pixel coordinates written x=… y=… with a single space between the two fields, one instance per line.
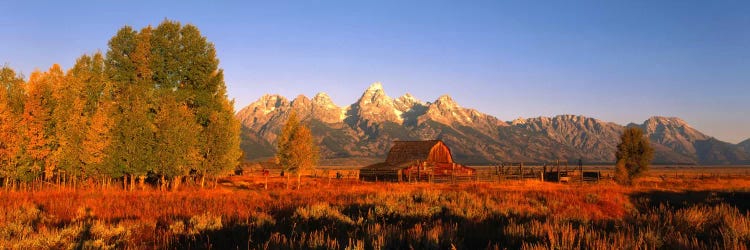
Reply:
x=662 y=211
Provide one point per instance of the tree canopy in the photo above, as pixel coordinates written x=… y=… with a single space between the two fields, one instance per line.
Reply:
x=297 y=150
x=634 y=155
x=154 y=104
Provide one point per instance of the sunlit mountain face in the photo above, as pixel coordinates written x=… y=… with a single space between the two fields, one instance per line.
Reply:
x=368 y=127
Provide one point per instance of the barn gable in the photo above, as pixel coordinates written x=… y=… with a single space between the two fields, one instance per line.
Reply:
x=416 y=160
x=410 y=151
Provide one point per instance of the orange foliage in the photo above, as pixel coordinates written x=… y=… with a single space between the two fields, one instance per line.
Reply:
x=38 y=120
x=435 y=216
x=9 y=139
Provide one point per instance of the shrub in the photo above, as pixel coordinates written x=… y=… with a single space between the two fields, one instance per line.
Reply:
x=634 y=154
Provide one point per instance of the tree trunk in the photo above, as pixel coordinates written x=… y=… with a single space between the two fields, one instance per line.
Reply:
x=287 y=181
x=132 y=182
x=175 y=183
x=203 y=180
x=142 y=181
x=299 y=179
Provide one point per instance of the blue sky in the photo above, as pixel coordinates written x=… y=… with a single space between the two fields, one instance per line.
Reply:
x=620 y=61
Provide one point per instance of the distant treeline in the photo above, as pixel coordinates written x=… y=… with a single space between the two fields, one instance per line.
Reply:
x=154 y=106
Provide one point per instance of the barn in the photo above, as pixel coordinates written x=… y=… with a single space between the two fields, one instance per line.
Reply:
x=417 y=161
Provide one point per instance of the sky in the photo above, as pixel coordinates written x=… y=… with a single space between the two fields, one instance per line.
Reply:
x=618 y=61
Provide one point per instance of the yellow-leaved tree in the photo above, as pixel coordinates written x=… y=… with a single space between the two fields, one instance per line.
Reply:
x=40 y=138
x=297 y=150
x=11 y=106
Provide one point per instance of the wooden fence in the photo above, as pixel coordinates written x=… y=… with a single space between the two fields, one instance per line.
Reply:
x=519 y=171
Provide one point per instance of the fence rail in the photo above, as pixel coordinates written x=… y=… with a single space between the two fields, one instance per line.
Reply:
x=509 y=172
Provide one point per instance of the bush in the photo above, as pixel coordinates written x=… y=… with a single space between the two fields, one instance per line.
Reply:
x=634 y=154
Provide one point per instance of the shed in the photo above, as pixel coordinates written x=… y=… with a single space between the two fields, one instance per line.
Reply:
x=416 y=161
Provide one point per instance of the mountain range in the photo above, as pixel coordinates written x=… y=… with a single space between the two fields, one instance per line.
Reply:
x=367 y=128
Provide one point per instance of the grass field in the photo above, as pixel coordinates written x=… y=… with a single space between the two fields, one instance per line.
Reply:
x=667 y=209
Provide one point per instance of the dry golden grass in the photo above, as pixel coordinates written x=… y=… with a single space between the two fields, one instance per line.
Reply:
x=335 y=214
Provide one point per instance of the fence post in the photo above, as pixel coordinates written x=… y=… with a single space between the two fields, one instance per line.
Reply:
x=453 y=176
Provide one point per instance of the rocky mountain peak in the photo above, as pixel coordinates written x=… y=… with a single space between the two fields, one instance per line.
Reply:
x=301 y=101
x=445 y=104
x=446 y=100
x=518 y=121
x=375 y=106
x=567 y=124
x=568 y=117
x=407 y=103
x=375 y=90
x=301 y=98
x=325 y=110
x=375 y=86
x=445 y=110
x=264 y=105
x=375 y=95
x=674 y=133
x=667 y=121
x=272 y=100
x=323 y=100
x=672 y=126
x=580 y=121
x=321 y=97
x=409 y=99
x=262 y=111
x=367 y=127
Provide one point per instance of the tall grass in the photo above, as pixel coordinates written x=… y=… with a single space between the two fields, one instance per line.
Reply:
x=507 y=215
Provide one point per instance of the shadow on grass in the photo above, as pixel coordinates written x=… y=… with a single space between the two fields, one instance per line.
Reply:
x=228 y=237
x=441 y=231
x=444 y=229
x=679 y=200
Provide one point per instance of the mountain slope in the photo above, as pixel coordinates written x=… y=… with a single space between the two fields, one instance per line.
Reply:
x=689 y=145
x=594 y=140
x=367 y=128
x=745 y=145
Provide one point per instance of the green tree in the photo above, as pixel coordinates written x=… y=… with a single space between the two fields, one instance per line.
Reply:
x=297 y=150
x=132 y=151
x=127 y=66
x=177 y=60
x=176 y=140
x=184 y=61
x=119 y=65
x=14 y=89
x=220 y=143
x=634 y=154
x=78 y=99
x=89 y=72
x=71 y=120
x=91 y=121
